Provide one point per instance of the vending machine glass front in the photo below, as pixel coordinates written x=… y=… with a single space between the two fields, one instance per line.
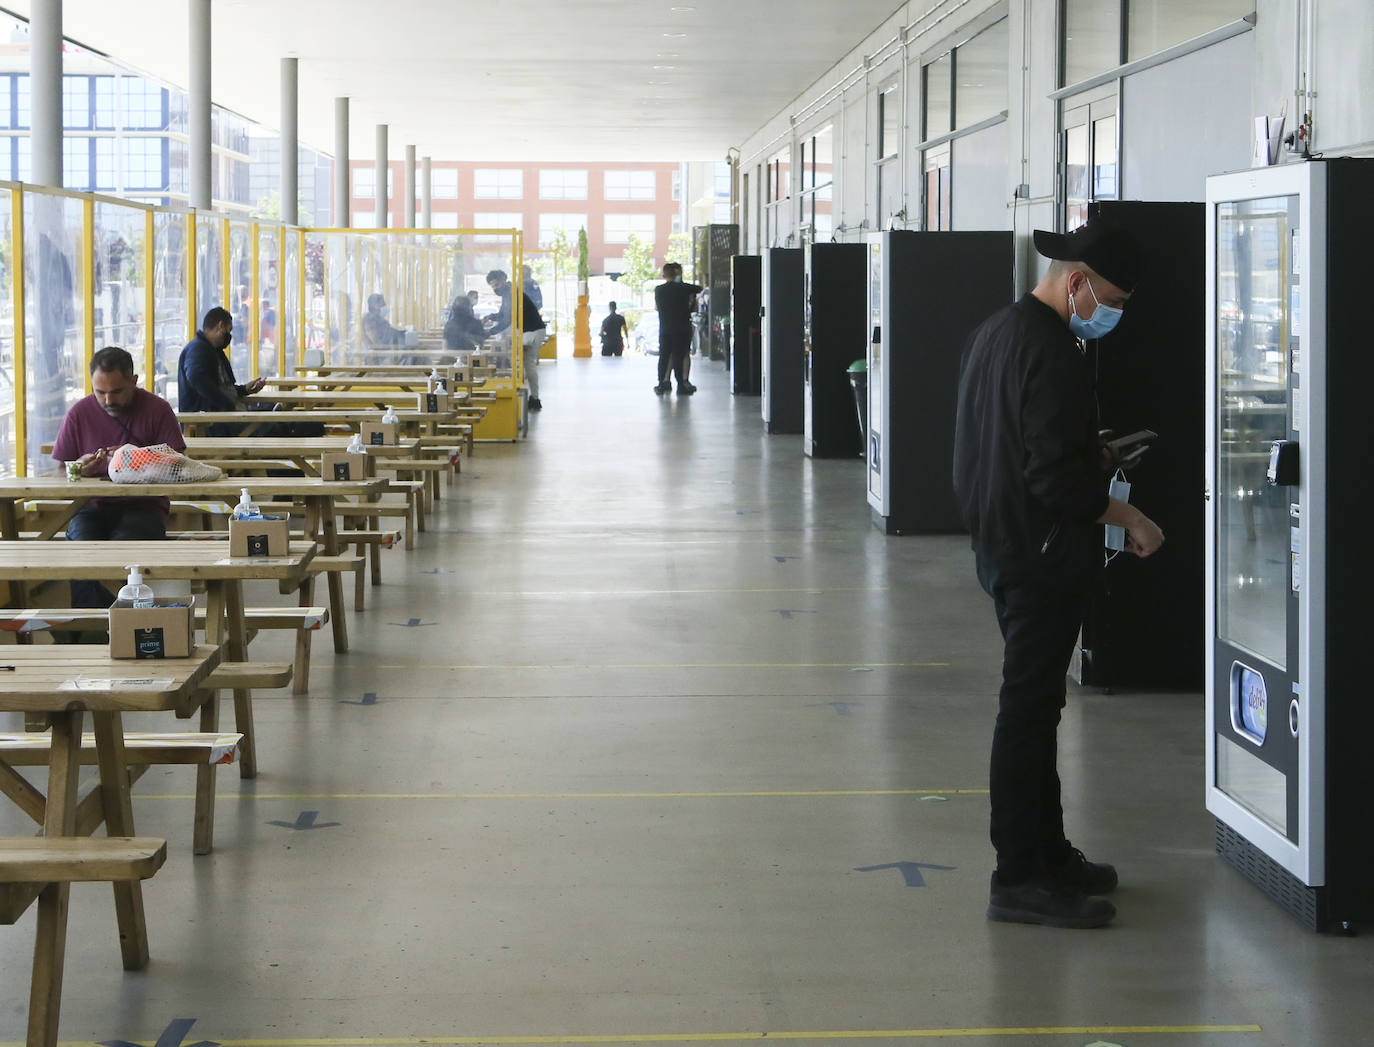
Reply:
x=1257 y=324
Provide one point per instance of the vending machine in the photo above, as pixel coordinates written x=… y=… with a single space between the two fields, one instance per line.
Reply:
x=746 y=364
x=781 y=326
x=834 y=327
x=926 y=292
x=1290 y=714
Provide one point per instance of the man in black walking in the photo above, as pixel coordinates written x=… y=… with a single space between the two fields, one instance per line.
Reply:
x=673 y=300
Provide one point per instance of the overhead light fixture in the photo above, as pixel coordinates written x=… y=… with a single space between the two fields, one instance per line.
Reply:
x=667 y=54
x=682 y=10
x=665 y=68
x=675 y=36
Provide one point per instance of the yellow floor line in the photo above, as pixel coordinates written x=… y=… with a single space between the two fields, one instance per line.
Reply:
x=740 y=1037
x=726 y=795
x=770 y=666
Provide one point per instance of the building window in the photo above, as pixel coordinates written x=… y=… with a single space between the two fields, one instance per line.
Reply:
x=937 y=189
x=939 y=97
x=364 y=183
x=6 y=100
x=619 y=228
x=562 y=185
x=497 y=220
x=630 y=185
x=491 y=183
x=145 y=104
x=677 y=223
x=779 y=177
x=76 y=163
x=1090 y=150
x=677 y=184
x=104 y=102
x=22 y=98
x=981 y=90
x=76 y=102
x=105 y=164
x=145 y=163
x=550 y=223
x=889 y=122
x=1098 y=37
x=446 y=219
x=818 y=175
x=443 y=183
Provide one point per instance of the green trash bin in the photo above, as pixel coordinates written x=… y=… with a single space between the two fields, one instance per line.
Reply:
x=858 y=381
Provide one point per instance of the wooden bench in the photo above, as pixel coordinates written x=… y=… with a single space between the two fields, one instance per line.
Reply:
x=339 y=564
x=53 y=864
x=144 y=750
x=303 y=620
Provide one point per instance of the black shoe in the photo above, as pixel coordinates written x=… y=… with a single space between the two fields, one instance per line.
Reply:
x=535 y=405
x=686 y=389
x=1078 y=874
x=663 y=387
x=1040 y=900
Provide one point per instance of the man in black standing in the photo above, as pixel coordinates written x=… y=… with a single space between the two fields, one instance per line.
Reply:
x=1030 y=472
x=613 y=333
x=673 y=300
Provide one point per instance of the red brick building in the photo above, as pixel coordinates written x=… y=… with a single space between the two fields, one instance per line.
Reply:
x=610 y=201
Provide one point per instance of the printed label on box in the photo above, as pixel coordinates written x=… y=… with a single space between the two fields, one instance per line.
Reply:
x=150 y=643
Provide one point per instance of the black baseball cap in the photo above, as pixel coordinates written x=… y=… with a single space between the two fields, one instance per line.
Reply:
x=1106 y=249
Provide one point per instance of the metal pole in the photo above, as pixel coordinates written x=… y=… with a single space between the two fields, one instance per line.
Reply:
x=426 y=193
x=45 y=55
x=290 y=151
x=381 y=177
x=198 y=101
x=341 y=186
x=409 y=196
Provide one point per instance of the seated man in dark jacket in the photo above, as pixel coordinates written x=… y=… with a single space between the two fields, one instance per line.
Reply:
x=205 y=380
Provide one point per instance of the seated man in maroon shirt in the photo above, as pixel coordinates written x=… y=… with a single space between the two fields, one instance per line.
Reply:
x=117 y=413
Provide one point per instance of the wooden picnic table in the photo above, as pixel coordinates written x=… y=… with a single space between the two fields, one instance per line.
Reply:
x=413 y=422
x=209 y=561
x=65 y=683
x=311 y=398
x=318 y=495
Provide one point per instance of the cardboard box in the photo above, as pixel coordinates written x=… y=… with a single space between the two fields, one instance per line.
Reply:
x=381 y=434
x=434 y=403
x=161 y=631
x=340 y=465
x=259 y=537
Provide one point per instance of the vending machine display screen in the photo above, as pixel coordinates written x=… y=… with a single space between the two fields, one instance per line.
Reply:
x=1249 y=703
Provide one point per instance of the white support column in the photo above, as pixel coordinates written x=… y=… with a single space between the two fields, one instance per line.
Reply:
x=382 y=201
x=290 y=148
x=342 y=186
x=408 y=194
x=199 y=155
x=45 y=56
x=426 y=193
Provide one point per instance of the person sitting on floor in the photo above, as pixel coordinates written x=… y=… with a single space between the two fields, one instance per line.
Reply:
x=118 y=412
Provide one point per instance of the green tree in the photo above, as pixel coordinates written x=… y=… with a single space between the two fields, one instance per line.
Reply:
x=584 y=268
x=680 y=251
x=639 y=265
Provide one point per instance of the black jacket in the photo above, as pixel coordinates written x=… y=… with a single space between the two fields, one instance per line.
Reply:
x=674 y=304
x=1027 y=460
x=205 y=381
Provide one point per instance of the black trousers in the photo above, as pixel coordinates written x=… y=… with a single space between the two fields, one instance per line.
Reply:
x=1040 y=611
x=672 y=356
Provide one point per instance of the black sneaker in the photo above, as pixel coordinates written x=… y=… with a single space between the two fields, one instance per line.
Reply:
x=535 y=405
x=1078 y=874
x=686 y=389
x=663 y=387
x=1040 y=900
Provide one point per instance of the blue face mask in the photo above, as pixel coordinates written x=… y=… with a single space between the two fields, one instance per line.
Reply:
x=1102 y=321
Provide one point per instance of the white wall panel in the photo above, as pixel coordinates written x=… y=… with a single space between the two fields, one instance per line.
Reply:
x=1164 y=154
x=980 y=164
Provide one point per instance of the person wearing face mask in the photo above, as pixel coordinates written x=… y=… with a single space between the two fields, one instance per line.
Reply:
x=118 y=412
x=205 y=378
x=1029 y=473
x=377 y=330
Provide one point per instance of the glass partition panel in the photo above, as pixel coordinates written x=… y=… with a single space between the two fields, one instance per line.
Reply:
x=118 y=248
x=239 y=298
x=269 y=298
x=289 y=313
x=210 y=275
x=170 y=332
x=8 y=437
x=54 y=320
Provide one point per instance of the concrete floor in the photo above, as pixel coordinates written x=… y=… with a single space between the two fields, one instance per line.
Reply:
x=636 y=747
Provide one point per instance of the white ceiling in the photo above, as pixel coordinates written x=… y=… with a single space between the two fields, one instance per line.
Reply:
x=500 y=79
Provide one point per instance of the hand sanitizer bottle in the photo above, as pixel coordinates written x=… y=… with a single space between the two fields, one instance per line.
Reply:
x=355 y=445
x=245 y=510
x=134 y=591
x=389 y=416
